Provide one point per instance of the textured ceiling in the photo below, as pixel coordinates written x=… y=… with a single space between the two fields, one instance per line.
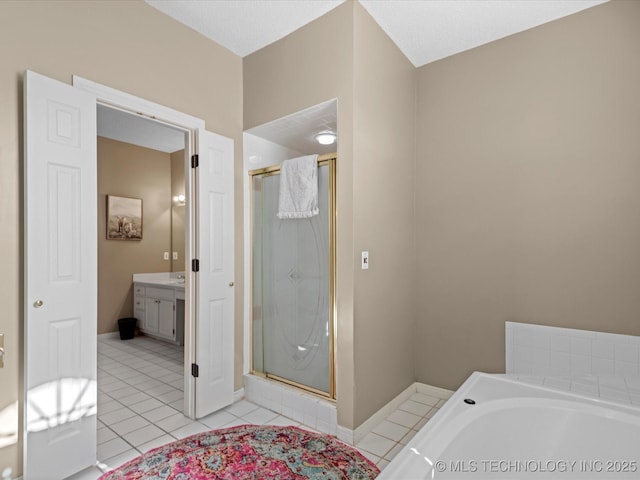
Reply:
x=425 y=30
x=297 y=131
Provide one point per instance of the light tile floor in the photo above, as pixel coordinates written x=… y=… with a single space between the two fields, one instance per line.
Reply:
x=383 y=443
x=140 y=398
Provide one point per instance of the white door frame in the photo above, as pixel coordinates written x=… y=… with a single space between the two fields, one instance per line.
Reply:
x=119 y=100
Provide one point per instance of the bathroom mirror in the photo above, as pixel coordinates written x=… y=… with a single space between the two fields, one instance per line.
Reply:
x=178 y=211
x=168 y=182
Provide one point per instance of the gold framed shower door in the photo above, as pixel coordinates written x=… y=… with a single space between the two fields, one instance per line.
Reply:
x=323 y=160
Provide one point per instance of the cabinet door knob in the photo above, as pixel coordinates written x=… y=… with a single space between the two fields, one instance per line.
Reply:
x=38 y=303
x=231 y=284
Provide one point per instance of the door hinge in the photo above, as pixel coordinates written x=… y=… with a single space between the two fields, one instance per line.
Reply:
x=195 y=265
x=195 y=371
x=195 y=161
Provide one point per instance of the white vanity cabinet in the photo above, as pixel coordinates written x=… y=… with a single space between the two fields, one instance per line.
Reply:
x=138 y=304
x=155 y=309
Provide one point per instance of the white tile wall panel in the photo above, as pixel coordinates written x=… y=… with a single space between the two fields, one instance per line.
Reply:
x=542 y=350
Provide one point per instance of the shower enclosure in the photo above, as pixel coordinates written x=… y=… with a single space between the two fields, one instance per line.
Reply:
x=292 y=323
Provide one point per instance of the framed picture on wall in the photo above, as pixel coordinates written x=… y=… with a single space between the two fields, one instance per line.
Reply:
x=124 y=218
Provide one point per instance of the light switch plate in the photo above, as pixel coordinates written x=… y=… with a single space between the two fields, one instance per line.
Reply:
x=166 y=255
x=365 y=260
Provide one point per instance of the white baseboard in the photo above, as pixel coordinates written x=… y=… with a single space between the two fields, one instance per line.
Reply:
x=373 y=421
x=238 y=395
x=109 y=335
x=442 y=393
x=345 y=435
x=352 y=437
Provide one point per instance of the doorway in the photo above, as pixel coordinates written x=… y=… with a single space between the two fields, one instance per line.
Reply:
x=61 y=269
x=141 y=262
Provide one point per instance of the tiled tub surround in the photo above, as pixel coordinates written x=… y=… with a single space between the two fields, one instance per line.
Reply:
x=486 y=437
x=623 y=390
x=552 y=351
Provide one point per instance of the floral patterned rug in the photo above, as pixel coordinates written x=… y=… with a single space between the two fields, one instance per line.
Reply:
x=250 y=452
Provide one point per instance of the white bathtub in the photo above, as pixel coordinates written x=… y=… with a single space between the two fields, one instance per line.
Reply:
x=520 y=431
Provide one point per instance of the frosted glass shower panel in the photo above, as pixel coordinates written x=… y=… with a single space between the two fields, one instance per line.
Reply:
x=293 y=276
x=256 y=280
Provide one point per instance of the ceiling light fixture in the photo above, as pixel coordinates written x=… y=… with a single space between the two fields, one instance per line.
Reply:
x=325 y=138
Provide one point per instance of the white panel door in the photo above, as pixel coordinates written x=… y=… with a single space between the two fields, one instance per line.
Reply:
x=214 y=324
x=61 y=280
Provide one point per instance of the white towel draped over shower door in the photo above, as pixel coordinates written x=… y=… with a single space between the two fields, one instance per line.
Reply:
x=298 y=188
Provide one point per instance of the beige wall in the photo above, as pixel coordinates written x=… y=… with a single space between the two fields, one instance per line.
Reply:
x=528 y=189
x=345 y=55
x=130 y=171
x=310 y=66
x=126 y=45
x=383 y=216
x=526 y=168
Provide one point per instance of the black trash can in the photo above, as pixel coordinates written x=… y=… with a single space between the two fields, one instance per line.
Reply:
x=127 y=328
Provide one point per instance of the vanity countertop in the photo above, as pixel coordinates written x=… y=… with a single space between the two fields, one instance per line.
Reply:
x=163 y=279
